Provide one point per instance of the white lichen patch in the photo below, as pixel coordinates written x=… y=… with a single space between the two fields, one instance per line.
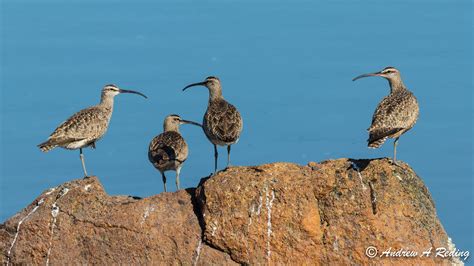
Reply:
x=335 y=245
x=38 y=204
x=197 y=252
x=54 y=210
x=250 y=222
x=214 y=228
x=398 y=176
x=269 y=205
x=88 y=187
x=255 y=210
x=146 y=213
x=54 y=214
x=357 y=168
x=51 y=190
x=63 y=192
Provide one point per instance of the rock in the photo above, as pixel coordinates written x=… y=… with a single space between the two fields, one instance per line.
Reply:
x=327 y=213
x=78 y=223
x=281 y=213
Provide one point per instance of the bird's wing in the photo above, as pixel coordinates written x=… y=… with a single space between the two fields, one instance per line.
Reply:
x=225 y=121
x=167 y=147
x=398 y=111
x=88 y=123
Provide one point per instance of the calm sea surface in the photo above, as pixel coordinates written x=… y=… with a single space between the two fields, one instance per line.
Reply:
x=286 y=66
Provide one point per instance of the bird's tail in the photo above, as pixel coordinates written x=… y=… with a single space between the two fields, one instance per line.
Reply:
x=46 y=146
x=376 y=143
x=377 y=137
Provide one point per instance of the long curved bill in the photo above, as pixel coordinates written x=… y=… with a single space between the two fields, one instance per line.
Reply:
x=366 y=75
x=190 y=122
x=195 y=84
x=134 y=92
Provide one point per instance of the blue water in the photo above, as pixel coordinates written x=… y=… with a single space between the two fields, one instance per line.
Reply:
x=286 y=66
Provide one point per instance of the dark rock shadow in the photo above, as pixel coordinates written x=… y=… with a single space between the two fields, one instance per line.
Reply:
x=204 y=179
x=197 y=207
x=361 y=164
x=135 y=197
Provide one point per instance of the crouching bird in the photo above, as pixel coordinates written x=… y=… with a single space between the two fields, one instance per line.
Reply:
x=169 y=150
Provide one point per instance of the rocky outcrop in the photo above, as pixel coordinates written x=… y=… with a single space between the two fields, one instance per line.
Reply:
x=281 y=213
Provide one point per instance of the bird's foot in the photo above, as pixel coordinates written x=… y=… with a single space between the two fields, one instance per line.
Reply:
x=399 y=165
x=396 y=163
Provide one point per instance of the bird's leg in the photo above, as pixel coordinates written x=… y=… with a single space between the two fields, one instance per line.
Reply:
x=93 y=145
x=83 y=163
x=164 y=180
x=395 y=143
x=216 y=154
x=228 y=156
x=178 y=170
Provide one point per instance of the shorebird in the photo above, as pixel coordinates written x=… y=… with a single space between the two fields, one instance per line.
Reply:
x=222 y=122
x=169 y=150
x=395 y=114
x=87 y=126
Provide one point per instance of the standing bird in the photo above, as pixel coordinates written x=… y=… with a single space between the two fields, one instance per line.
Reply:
x=87 y=126
x=395 y=114
x=169 y=150
x=222 y=123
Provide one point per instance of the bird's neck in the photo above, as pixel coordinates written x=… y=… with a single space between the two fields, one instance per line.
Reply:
x=107 y=101
x=171 y=127
x=215 y=94
x=396 y=85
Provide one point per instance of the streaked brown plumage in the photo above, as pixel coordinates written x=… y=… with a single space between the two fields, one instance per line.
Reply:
x=169 y=150
x=82 y=129
x=222 y=122
x=87 y=126
x=395 y=114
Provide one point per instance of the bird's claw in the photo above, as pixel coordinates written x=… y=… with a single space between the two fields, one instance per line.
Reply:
x=397 y=163
x=394 y=162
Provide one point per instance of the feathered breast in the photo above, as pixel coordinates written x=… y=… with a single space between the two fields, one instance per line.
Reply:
x=394 y=115
x=90 y=123
x=168 y=147
x=222 y=122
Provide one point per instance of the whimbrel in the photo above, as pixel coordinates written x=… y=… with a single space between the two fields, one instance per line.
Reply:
x=222 y=122
x=169 y=150
x=395 y=114
x=87 y=126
